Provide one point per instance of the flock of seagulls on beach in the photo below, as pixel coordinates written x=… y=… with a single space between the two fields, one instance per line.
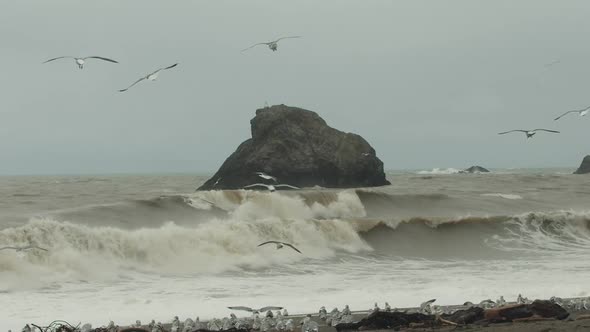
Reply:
x=281 y=321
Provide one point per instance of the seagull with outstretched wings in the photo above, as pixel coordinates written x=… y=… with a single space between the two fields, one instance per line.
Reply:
x=581 y=112
x=273 y=45
x=529 y=133
x=80 y=61
x=149 y=77
x=280 y=245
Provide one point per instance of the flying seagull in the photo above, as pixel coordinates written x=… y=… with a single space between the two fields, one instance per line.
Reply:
x=529 y=133
x=271 y=187
x=263 y=309
x=552 y=63
x=581 y=112
x=280 y=245
x=23 y=248
x=266 y=176
x=81 y=61
x=150 y=77
x=273 y=45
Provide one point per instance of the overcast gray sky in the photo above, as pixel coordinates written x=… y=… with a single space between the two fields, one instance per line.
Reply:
x=427 y=83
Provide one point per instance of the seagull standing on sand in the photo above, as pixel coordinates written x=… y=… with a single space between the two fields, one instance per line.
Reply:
x=23 y=248
x=150 y=77
x=425 y=307
x=271 y=187
x=273 y=45
x=280 y=245
x=581 y=112
x=529 y=133
x=266 y=176
x=80 y=61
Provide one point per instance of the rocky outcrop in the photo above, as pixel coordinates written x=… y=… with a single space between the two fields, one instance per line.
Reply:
x=298 y=148
x=475 y=169
x=584 y=167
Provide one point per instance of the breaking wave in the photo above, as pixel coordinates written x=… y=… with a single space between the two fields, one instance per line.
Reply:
x=218 y=232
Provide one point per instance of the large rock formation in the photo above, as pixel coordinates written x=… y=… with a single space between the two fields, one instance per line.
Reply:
x=584 y=167
x=298 y=148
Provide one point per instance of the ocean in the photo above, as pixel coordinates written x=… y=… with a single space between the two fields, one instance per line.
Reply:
x=125 y=247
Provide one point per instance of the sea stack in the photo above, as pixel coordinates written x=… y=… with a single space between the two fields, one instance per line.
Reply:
x=298 y=148
x=475 y=169
x=584 y=167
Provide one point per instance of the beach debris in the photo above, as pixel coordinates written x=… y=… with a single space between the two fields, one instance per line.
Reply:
x=381 y=320
x=538 y=308
x=465 y=316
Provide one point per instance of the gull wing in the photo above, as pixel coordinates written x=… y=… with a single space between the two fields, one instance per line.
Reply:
x=547 y=130
x=129 y=87
x=510 y=131
x=101 y=58
x=174 y=65
x=59 y=57
x=287 y=38
x=241 y=308
x=254 y=46
x=290 y=245
x=564 y=114
x=257 y=185
x=3 y=248
x=269 y=308
x=35 y=247
x=267 y=242
x=286 y=185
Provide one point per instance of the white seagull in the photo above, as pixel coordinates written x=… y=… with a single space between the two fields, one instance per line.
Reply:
x=581 y=112
x=529 y=133
x=149 y=77
x=271 y=187
x=280 y=245
x=263 y=309
x=266 y=176
x=81 y=61
x=273 y=45
x=23 y=248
